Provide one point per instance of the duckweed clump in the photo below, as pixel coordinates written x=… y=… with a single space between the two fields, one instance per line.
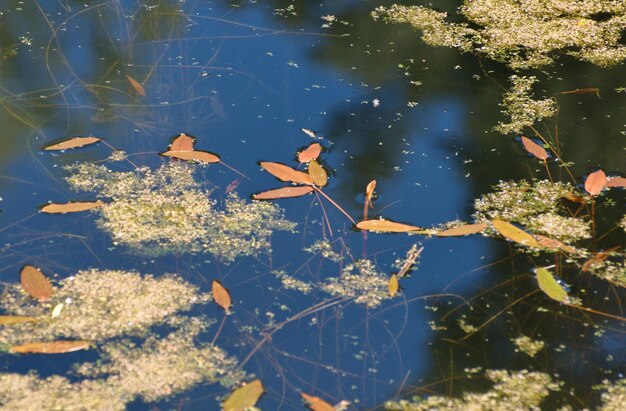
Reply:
x=162 y=211
x=614 y=398
x=522 y=390
x=528 y=346
x=360 y=281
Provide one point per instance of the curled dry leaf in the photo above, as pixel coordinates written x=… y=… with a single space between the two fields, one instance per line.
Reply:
x=466 y=229
x=546 y=242
x=595 y=182
x=284 y=192
x=54 y=347
x=221 y=295
x=75 y=207
x=196 y=155
x=35 y=283
x=316 y=403
x=392 y=285
x=616 y=182
x=312 y=152
x=369 y=192
x=136 y=86
x=534 y=148
x=244 y=397
x=317 y=173
x=73 y=142
x=15 y=319
x=286 y=173
x=550 y=286
x=182 y=143
x=513 y=233
x=388 y=226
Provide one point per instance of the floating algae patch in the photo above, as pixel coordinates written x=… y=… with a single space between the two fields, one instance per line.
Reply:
x=524 y=33
x=360 y=281
x=522 y=390
x=614 y=397
x=528 y=346
x=156 y=212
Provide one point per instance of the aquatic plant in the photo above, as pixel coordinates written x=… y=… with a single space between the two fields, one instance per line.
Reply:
x=528 y=346
x=614 y=397
x=361 y=281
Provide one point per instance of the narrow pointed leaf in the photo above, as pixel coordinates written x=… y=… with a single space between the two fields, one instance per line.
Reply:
x=56 y=311
x=386 y=226
x=534 y=148
x=221 y=295
x=75 y=207
x=598 y=258
x=513 y=233
x=550 y=286
x=392 y=285
x=15 y=319
x=616 y=182
x=546 y=242
x=312 y=152
x=244 y=397
x=35 y=283
x=466 y=229
x=595 y=182
x=136 y=86
x=182 y=143
x=232 y=186
x=196 y=155
x=316 y=403
x=308 y=132
x=73 y=142
x=286 y=173
x=284 y=192
x=54 y=347
x=317 y=173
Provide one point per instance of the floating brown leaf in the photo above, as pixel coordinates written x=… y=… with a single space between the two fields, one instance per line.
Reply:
x=284 y=192
x=595 y=182
x=232 y=186
x=369 y=192
x=35 y=283
x=54 y=208
x=136 y=86
x=317 y=173
x=462 y=230
x=546 y=242
x=54 y=347
x=316 y=403
x=221 y=295
x=286 y=173
x=598 y=258
x=534 y=148
x=73 y=142
x=182 y=143
x=15 y=319
x=392 y=285
x=550 y=286
x=513 y=233
x=312 y=152
x=616 y=182
x=196 y=155
x=244 y=397
x=386 y=226
x=575 y=198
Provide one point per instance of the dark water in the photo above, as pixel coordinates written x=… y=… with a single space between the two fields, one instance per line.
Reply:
x=244 y=79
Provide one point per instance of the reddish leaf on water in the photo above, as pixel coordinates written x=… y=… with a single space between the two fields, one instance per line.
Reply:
x=54 y=347
x=616 y=182
x=513 y=233
x=221 y=295
x=73 y=142
x=462 y=230
x=317 y=173
x=15 y=319
x=595 y=182
x=286 y=173
x=232 y=186
x=312 y=152
x=244 y=397
x=534 y=148
x=54 y=208
x=182 y=143
x=284 y=192
x=316 y=403
x=546 y=242
x=598 y=258
x=195 y=155
x=387 y=226
x=35 y=283
x=136 y=86
x=369 y=192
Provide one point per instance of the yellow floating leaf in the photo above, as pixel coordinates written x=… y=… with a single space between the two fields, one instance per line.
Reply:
x=312 y=152
x=182 y=143
x=56 y=311
x=387 y=226
x=73 y=142
x=550 y=286
x=35 y=283
x=284 y=192
x=534 y=148
x=196 y=155
x=286 y=173
x=54 y=347
x=513 y=233
x=221 y=295
x=54 y=208
x=136 y=86
x=317 y=173
x=595 y=182
x=466 y=229
x=244 y=397
x=316 y=403
x=392 y=285
x=15 y=319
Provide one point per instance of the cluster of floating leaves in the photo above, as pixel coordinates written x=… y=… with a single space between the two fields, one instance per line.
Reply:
x=166 y=210
x=522 y=390
x=361 y=281
x=528 y=346
x=524 y=34
x=325 y=249
x=614 y=397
